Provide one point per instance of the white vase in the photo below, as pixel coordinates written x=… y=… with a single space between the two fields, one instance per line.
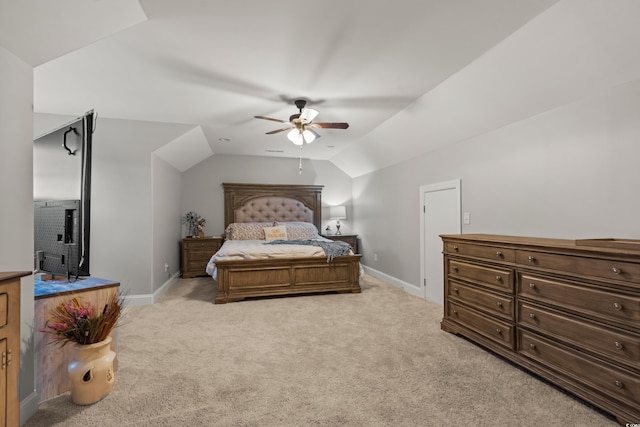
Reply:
x=91 y=372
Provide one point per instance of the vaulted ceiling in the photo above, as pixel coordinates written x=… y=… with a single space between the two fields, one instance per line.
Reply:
x=409 y=76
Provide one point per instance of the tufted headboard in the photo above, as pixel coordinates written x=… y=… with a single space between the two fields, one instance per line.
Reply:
x=272 y=202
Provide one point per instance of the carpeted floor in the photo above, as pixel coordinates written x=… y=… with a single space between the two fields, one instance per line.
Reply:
x=377 y=358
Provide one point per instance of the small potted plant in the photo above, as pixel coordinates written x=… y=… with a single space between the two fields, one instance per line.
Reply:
x=88 y=327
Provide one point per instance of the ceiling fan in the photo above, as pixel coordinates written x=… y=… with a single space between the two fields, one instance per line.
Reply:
x=301 y=126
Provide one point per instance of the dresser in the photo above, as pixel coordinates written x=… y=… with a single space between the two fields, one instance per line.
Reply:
x=566 y=310
x=195 y=253
x=351 y=239
x=10 y=347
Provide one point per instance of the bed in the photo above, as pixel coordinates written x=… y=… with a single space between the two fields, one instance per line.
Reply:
x=285 y=274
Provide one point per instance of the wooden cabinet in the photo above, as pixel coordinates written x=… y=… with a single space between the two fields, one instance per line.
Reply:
x=195 y=253
x=10 y=347
x=351 y=239
x=565 y=310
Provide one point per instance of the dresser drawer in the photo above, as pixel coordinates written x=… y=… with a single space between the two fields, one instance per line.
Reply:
x=490 y=302
x=492 y=277
x=602 y=304
x=492 y=253
x=616 y=383
x=493 y=329
x=615 y=344
x=583 y=266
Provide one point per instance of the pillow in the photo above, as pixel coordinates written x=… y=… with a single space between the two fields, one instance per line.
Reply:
x=247 y=230
x=301 y=230
x=275 y=233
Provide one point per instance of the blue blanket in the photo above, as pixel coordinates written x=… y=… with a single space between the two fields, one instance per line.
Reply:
x=331 y=249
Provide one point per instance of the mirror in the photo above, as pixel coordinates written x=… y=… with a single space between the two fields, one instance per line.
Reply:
x=62 y=198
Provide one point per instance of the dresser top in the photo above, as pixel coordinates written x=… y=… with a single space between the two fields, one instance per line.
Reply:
x=599 y=245
x=7 y=275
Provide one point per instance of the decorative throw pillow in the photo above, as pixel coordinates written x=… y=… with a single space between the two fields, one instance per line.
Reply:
x=275 y=233
x=300 y=230
x=247 y=230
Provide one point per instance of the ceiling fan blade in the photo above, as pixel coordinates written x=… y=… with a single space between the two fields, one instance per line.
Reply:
x=279 y=130
x=332 y=125
x=308 y=114
x=270 y=118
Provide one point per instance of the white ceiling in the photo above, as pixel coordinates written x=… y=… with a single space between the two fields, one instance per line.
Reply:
x=409 y=76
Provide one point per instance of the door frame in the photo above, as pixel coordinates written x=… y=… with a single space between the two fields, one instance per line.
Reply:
x=447 y=185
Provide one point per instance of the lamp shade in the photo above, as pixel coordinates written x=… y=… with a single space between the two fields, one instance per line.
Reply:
x=337 y=212
x=295 y=136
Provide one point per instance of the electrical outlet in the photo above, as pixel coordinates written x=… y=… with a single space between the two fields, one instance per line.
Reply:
x=375 y=257
x=166 y=266
x=467 y=218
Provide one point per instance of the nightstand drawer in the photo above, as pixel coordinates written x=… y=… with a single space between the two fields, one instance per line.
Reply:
x=351 y=239
x=200 y=244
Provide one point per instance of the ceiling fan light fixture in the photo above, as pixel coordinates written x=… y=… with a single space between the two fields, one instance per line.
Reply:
x=308 y=136
x=295 y=136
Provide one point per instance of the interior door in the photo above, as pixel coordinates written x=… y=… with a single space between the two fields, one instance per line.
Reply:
x=440 y=215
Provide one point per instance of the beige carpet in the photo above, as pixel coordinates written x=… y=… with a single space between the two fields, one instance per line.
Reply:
x=377 y=358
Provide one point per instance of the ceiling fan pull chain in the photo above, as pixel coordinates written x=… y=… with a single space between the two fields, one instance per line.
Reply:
x=300 y=162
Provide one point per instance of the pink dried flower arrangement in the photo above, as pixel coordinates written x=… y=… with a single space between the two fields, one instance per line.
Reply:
x=78 y=322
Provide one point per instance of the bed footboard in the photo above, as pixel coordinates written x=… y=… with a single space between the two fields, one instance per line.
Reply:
x=270 y=277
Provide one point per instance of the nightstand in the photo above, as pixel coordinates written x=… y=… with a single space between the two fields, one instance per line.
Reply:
x=195 y=253
x=351 y=239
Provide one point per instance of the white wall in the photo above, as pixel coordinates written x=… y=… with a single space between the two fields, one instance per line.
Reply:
x=16 y=208
x=166 y=220
x=202 y=184
x=569 y=173
x=121 y=201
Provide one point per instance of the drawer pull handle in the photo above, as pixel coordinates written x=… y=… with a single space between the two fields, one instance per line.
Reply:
x=532 y=285
x=617 y=306
x=455 y=290
x=455 y=248
x=532 y=315
x=531 y=258
x=619 y=345
x=532 y=346
x=498 y=278
x=619 y=384
x=499 y=254
x=498 y=331
x=455 y=269
x=616 y=270
x=499 y=304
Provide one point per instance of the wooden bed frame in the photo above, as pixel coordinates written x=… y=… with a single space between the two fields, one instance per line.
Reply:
x=238 y=280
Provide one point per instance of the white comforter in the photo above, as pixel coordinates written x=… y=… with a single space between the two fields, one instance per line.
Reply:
x=233 y=250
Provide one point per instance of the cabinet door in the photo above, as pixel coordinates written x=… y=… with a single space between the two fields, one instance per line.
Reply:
x=3 y=383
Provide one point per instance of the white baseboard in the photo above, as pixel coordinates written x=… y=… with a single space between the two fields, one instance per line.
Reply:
x=405 y=286
x=28 y=407
x=148 y=299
